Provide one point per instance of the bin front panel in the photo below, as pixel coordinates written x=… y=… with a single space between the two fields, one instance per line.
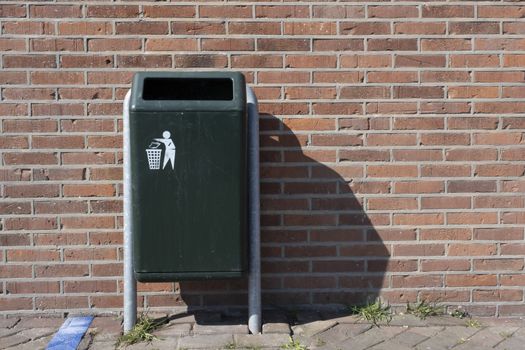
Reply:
x=188 y=217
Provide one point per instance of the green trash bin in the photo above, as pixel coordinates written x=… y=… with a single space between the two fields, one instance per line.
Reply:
x=188 y=175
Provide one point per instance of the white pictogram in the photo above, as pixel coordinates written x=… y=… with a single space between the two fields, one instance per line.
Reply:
x=154 y=152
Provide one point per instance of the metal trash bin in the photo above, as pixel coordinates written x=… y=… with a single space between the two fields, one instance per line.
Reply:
x=189 y=211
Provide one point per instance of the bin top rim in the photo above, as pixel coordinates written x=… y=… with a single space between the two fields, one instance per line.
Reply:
x=238 y=103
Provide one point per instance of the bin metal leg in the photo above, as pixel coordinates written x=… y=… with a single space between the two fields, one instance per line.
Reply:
x=130 y=285
x=254 y=278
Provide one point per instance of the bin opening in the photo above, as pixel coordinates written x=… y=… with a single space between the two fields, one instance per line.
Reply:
x=190 y=89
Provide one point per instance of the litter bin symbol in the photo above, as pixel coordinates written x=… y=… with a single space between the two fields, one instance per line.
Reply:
x=154 y=153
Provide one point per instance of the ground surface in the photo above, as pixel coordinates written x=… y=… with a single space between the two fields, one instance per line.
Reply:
x=308 y=331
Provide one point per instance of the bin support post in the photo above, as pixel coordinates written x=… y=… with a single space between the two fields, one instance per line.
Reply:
x=130 y=285
x=254 y=278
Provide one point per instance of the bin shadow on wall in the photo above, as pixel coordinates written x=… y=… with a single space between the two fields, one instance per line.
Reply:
x=320 y=250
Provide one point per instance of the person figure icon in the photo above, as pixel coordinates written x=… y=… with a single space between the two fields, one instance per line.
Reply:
x=169 y=154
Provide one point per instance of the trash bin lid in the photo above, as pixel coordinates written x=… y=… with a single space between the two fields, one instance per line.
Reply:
x=188 y=91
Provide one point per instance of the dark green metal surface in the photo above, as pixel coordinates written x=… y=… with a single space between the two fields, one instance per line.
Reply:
x=190 y=221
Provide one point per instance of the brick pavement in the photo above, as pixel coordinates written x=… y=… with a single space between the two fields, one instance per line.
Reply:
x=209 y=331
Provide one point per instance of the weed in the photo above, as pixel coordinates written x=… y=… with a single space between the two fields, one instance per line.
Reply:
x=293 y=345
x=424 y=309
x=505 y=335
x=458 y=313
x=320 y=342
x=142 y=331
x=231 y=345
x=375 y=312
x=473 y=323
x=461 y=341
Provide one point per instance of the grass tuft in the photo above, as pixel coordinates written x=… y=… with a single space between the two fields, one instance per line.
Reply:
x=459 y=313
x=294 y=345
x=425 y=309
x=473 y=323
x=141 y=332
x=375 y=312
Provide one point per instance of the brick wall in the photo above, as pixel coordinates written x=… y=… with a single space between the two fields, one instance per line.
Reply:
x=392 y=147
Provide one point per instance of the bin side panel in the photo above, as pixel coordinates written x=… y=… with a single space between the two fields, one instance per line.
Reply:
x=189 y=219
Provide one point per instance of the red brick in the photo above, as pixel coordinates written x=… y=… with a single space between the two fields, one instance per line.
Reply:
x=445 y=265
x=498 y=77
x=142 y=28
x=364 y=92
x=29 y=61
x=469 y=123
x=392 y=45
x=25 y=255
x=498 y=264
x=222 y=11
x=499 y=170
x=171 y=44
x=55 y=11
x=418 y=92
x=80 y=125
x=33 y=287
x=364 y=28
x=12 y=11
x=85 y=28
x=111 y=11
x=498 y=234
x=419 y=187
x=88 y=222
x=279 y=11
x=336 y=140
x=169 y=11
x=255 y=28
x=465 y=186
x=462 y=280
x=16 y=304
x=392 y=203
x=150 y=61
x=419 y=219
x=61 y=302
x=419 y=250
x=339 y=11
x=420 y=61
x=88 y=158
x=194 y=61
x=455 y=11
x=198 y=28
x=470 y=249
x=445 y=203
x=463 y=28
x=12 y=45
x=501 y=11
x=446 y=45
x=420 y=28
x=417 y=281
x=310 y=28
x=283 y=44
x=59 y=207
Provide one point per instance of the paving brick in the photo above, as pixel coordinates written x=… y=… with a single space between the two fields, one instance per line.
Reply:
x=260 y=340
x=174 y=330
x=206 y=341
x=220 y=329
x=277 y=328
x=448 y=338
x=372 y=337
x=313 y=328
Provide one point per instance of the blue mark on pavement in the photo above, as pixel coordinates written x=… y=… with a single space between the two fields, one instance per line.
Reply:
x=70 y=333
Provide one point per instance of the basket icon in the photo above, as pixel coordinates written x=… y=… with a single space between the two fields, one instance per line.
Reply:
x=154 y=156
